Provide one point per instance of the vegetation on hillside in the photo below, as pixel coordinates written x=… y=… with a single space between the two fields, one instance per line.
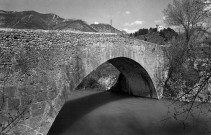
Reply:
x=105 y=28
x=35 y=20
x=152 y=35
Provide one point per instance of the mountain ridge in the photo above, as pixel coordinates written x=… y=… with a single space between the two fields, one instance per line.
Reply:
x=105 y=28
x=47 y=21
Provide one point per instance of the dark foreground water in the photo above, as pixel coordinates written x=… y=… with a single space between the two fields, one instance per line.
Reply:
x=104 y=113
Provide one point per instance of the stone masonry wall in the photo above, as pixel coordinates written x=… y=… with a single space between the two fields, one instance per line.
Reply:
x=39 y=69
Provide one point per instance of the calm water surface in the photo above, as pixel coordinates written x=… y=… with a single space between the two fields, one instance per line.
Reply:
x=104 y=113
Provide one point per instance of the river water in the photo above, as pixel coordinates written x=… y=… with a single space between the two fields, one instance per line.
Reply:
x=91 y=112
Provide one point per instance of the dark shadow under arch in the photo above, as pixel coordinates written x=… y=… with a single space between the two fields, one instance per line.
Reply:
x=136 y=79
x=131 y=71
x=75 y=109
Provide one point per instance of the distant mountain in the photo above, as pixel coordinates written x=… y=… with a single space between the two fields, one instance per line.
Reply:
x=105 y=28
x=74 y=25
x=28 y=20
x=35 y=20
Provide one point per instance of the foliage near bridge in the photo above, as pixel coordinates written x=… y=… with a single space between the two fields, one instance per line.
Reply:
x=189 y=54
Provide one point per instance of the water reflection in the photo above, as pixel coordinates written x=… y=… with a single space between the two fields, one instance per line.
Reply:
x=77 y=108
x=104 y=113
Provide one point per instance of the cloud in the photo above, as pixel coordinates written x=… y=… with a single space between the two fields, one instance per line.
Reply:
x=96 y=22
x=134 y=23
x=127 y=12
x=130 y=30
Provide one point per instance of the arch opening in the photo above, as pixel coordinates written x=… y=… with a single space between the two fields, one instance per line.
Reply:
x=131 y=78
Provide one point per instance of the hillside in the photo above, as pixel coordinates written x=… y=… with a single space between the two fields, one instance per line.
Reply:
x=35 y=20
x=105 y=28
x=153 y=38
x=74 y=25
x=28 y=20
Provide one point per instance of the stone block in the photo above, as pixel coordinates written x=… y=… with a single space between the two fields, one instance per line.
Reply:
x=26 y=90
x=43 y=86
x=10 y=91
x=37 y=89
x=26 y=100
x=44 y=79
x=2 y=75
x=1 y=97
x=26 y=113
x=19 y=129
x=29 y=132
x=209 y=87
x=45 y=126
x=41 y=96
x=51 y=112
x=38 y=112
x=38 y=109
x=13 y=103
x=13 y=112
x=3 y=103
x=52 y=94
x=52 y=85
x=35 y=122
x=60 y=100
x=36 y=106
x=3 y=118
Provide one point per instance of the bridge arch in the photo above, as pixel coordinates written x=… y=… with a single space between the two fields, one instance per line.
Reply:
x=133 y=78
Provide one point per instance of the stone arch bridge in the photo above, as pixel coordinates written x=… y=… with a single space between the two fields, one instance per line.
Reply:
x=48 y=65
x=141 y=63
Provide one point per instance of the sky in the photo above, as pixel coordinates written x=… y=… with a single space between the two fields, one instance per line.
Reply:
x=128 y=15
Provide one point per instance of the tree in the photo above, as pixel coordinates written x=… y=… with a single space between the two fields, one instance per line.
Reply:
x=185 y=81
x=188 y=14
x=168 y=34
x=142 y=31
x=193 y=17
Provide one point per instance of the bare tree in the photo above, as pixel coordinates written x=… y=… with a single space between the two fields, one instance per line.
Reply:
x=187 y=14
x=189 y=74
x=193 y=17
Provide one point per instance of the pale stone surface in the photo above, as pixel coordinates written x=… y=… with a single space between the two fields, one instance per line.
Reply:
x=48 y=65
